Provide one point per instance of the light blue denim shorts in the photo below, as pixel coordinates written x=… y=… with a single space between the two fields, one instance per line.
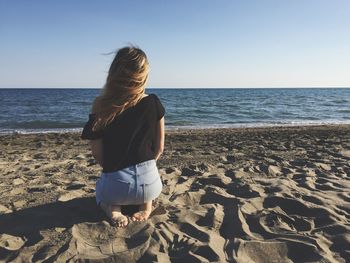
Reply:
x=133 y=185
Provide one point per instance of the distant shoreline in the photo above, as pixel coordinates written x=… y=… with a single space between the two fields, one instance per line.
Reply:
x=196 y=129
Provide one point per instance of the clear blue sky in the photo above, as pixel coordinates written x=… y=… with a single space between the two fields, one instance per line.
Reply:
x=190 y=43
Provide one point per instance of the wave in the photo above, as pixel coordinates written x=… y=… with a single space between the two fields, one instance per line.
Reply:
x=35 y=131
x=170 y=127
x=38 y=124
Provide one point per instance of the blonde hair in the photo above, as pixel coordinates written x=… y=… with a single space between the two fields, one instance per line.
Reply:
x=124 y=88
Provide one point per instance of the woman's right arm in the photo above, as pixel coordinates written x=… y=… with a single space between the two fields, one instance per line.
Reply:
x=160 y=138
x=96 y=150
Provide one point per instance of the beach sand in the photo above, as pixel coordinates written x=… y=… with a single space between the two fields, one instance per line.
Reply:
x=230 y=195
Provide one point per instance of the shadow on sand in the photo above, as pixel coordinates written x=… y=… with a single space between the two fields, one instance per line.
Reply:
x=28 y=222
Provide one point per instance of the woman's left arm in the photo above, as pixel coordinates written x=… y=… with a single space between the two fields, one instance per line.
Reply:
x=96 y=149
x=160 y=137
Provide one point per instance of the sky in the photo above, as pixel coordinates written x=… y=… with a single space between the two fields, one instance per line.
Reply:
x=189 y=43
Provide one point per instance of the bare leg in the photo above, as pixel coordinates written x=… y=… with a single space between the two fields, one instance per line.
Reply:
x=144 y=213
x=115 y=214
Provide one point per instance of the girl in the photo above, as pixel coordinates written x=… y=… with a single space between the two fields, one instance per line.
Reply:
x=126 y=133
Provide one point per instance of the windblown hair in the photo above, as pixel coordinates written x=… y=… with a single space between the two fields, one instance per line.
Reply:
x=124 y=88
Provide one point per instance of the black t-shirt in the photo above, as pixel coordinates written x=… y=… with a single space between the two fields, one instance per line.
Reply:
x=130 y=138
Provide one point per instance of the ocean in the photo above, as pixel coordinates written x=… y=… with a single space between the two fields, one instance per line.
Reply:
x=60 y=110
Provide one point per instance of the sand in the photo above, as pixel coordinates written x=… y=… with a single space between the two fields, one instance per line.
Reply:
x=230 y=195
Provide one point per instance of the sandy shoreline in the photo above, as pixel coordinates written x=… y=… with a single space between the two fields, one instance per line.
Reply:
x=276 y=194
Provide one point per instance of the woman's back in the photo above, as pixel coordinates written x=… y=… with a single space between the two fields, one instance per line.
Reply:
x=130 y=138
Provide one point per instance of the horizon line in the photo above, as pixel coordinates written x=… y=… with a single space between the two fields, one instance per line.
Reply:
x=283 y=87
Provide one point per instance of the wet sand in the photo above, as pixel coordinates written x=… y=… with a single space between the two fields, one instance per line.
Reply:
x=230 y=195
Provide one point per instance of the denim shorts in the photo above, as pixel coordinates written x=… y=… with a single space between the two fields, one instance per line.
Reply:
x=133 y=185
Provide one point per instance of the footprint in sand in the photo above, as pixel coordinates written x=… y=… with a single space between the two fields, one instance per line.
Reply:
x=320 y=215
x=275 y=222
x=100 y=241
x=279 y=251
x=183 y=245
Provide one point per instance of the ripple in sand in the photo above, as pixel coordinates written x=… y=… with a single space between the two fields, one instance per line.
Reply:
x=202 y=167
x=75 y=186
x=242 y=190
x=18 y=181
x=190 y=172
x=4 y=210
x=345 y=153
x=71 y=195
x=273 y=170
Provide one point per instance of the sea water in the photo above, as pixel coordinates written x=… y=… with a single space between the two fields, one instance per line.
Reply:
x=46 y=110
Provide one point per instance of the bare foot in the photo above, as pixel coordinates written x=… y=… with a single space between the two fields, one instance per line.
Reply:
x=115 y=214
x=144 y=213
